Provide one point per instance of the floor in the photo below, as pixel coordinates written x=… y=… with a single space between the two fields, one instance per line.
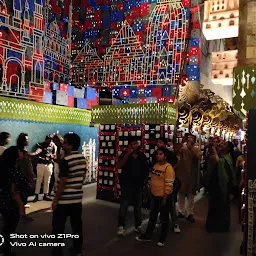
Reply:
x=100 y=233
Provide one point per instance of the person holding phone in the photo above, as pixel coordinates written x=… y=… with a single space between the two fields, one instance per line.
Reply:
x=135 y=169
x=161 y=186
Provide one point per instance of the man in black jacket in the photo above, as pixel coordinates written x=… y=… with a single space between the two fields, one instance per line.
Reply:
x=134 y=173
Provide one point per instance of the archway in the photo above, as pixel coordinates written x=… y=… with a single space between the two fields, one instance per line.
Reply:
x=13 y=72
x=38 y=73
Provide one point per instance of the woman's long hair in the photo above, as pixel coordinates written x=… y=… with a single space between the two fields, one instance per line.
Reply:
x=21 y=141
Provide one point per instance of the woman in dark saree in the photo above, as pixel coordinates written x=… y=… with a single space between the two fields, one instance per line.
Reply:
x=220 y=184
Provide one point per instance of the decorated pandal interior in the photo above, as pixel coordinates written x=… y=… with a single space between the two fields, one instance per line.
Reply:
x=210 y=114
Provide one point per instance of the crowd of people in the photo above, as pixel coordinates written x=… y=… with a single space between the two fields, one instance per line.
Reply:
x=174 y=176
x=170 y=178
x=56 y=157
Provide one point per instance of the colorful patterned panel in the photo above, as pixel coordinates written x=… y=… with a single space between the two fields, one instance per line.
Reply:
x=140 y=42
x=244 y=89
x=35 y=46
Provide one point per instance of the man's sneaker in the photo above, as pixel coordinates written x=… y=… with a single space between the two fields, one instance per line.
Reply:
x=27 y=206
x=120 y=231
x=160 y=244
x=46 y=198
x=176 y=229
x=143 y=238
x=181 y=215
x=191 y=218
x=138 y=229
x=35 y=199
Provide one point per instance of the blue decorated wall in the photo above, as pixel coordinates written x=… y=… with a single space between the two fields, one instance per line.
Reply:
x=37 y=131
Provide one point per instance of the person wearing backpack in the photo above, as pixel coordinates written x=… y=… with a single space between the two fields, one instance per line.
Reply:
x=162 y=180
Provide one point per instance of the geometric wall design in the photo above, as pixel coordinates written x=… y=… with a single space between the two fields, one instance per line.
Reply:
x=124 y=60
x=165 y=45
x=87 y=66
x=141 y=43
x=35 y=46
x=158 y=61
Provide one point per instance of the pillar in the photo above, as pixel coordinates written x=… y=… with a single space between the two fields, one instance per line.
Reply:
x=244 y=87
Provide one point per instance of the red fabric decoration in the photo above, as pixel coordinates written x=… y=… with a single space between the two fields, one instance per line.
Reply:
x=47 y=87
x=194 y=51
x=170 y=99
x=71 y=101
x=64 y=87
x=186 y=3
x=161 y=99
x=125 y=92
x=143 y=100
x=157 y=92
x=120 y=6
x=89 y=104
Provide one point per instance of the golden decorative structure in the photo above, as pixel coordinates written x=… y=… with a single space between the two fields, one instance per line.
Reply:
x=209 y=112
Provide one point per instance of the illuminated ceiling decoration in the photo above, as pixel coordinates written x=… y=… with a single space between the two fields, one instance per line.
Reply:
x=189 y=93
x=166 y=42
x=223 y=64
x=221 y=19
x=209 y=112
x=126 y=62
x=87 y=67
x=123 y=62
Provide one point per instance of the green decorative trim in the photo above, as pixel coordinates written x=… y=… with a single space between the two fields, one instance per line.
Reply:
x=17 y=109
x=154 y=113
x=244 y=89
